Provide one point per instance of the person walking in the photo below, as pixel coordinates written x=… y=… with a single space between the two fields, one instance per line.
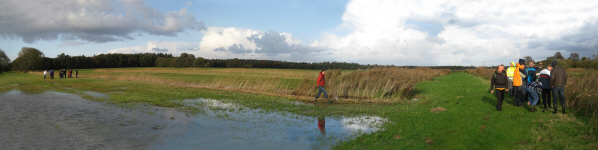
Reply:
x=76 y=73
x=510 y=72
x=321 y=83
x=70 y=73
x=60 y=73
x=533 y=89
x=546 y=88
x=52 y=74
x=45 y=73
x=499 y=83
x=518 y=85
x=558 y=80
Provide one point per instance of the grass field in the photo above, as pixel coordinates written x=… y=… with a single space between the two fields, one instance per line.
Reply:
x=454 y=111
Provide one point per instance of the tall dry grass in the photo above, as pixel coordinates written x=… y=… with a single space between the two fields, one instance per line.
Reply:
x=377 y=83
x=482 y=72
x=380 y=83
x=581 y=93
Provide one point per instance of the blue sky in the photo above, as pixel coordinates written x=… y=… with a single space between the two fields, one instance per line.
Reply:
x=406 y=32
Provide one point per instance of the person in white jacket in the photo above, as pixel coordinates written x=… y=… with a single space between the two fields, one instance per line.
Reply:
x=45 y=73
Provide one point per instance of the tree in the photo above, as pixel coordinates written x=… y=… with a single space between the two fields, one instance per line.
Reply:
x=584 y=58
x=29 y=59
x=528 y=59
x=574 y=57
x=558 y=55
x=4 y=61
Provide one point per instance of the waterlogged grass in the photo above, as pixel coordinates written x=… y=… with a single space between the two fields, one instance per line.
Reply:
x=168 y=95
x=467 y=118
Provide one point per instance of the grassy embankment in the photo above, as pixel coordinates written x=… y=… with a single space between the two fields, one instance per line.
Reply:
x=463 y=117
x=581 y=91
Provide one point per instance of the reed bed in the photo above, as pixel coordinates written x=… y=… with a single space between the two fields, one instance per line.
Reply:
x=482 y=72
x=390 y=83
x=379 y=83
x=581 y=93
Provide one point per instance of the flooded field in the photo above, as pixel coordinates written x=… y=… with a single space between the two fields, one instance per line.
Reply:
x=55 y=120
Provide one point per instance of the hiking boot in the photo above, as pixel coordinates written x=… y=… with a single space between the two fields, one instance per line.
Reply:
x=328 y=100
x=315 y=99
x=532 y=108
x=555 y=110
x=563 y=109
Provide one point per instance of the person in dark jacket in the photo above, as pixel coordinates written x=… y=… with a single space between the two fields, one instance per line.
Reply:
x=546 y=89
x=76 y=73
x=51 y=74
x=499 y=83
x=558 y=80
x=321 y=83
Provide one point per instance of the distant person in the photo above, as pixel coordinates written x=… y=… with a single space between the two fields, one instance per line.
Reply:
x=510 y=72
x=60 y=73
x=76 y=73
x=45 y=72
x=500 y=83
x=321 y=82
x=70 y=73
x=322 y=125
x=533 y=89
x=52 y=74
x=518 y=86
x=546 y=88
x=558 y=80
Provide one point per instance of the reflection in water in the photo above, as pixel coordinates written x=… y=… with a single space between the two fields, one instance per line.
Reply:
x=322 y=125
x=57 y=121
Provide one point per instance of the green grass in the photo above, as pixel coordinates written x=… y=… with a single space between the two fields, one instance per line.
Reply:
x=473 y=123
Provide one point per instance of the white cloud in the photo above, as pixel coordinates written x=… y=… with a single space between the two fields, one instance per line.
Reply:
x=174 y=47
x=471 y=32
x=89 y=21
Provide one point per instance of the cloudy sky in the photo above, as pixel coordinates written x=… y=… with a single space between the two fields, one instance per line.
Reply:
x=406 y=32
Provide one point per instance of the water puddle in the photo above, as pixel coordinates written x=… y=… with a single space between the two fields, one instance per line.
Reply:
x=54 y=120
x=96 y=94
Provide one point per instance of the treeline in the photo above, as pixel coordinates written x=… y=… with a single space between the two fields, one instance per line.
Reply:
x=33 y=59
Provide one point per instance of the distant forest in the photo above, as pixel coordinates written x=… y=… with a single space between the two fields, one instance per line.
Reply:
x=33 y=59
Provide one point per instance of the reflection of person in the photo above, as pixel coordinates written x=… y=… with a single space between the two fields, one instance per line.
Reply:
x=322 y=125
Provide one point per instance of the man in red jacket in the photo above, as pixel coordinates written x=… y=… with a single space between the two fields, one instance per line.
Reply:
x=321 y=83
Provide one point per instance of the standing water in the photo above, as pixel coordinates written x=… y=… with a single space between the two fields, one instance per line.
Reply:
x=64 y=121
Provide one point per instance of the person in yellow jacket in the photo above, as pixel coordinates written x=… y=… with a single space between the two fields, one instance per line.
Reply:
x=518 y=86
x=510 y=72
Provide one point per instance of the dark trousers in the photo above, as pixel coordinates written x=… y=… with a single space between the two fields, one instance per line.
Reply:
x=519 y=95
x=511 y=93
x=558 y=92
x=546 y=96
x=500 y=95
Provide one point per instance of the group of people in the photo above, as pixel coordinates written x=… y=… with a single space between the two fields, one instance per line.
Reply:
x=529 y=83
x=64 y=73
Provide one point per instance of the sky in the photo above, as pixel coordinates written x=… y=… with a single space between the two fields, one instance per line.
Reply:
x=387 y=32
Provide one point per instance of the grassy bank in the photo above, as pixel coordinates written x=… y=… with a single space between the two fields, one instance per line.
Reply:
x=581 y=91
x=470 y=121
